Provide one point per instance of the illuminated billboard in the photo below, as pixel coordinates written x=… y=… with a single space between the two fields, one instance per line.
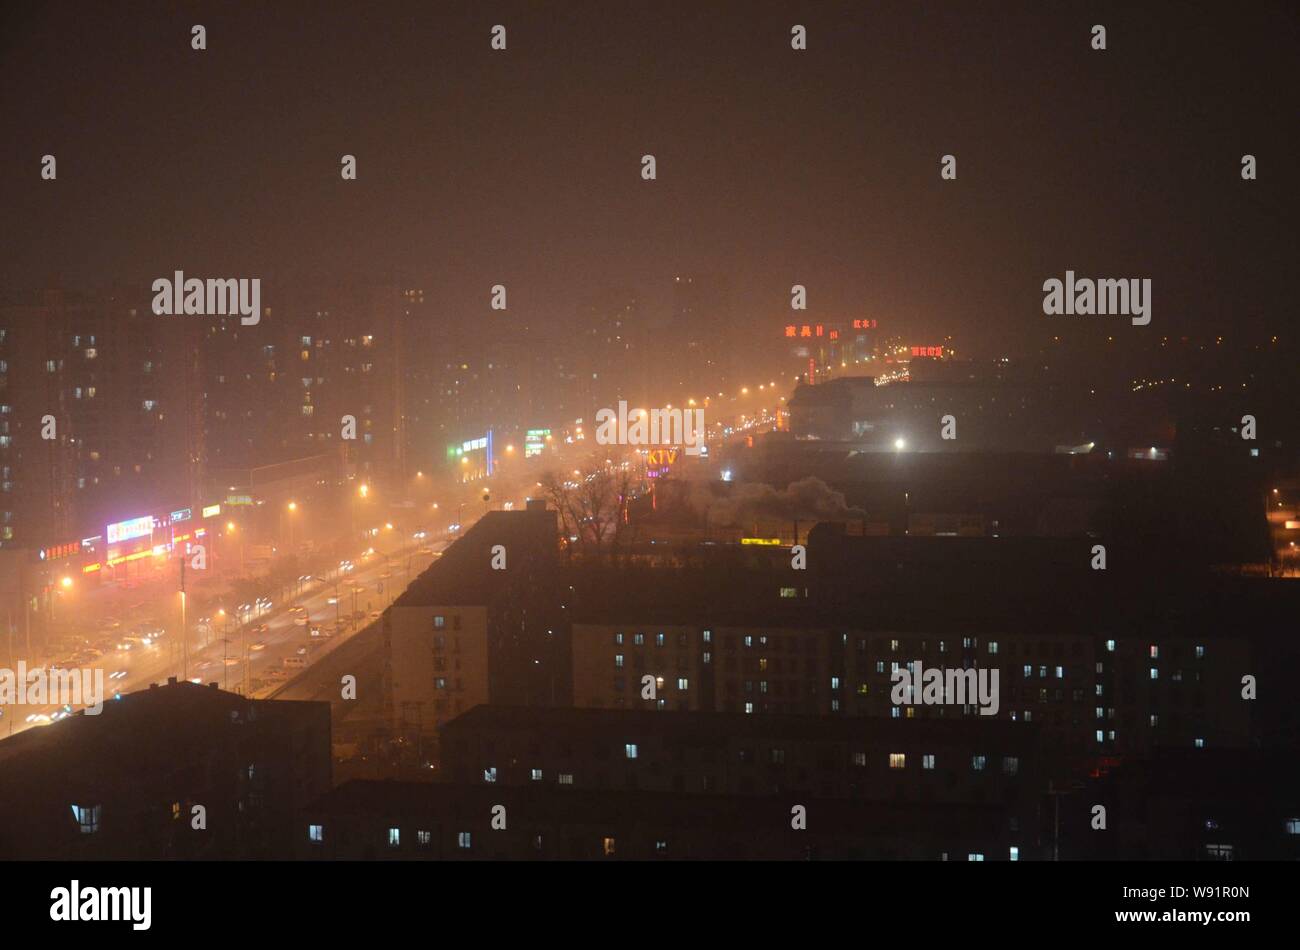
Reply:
x=211 y=511
x=126 y=530
x=469 y=448
x=535 y=442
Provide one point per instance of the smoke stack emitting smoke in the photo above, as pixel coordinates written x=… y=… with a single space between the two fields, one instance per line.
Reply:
x=809 y=499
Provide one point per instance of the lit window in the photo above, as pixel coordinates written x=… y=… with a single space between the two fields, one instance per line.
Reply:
x=1155 y=652
x=897 y=760
x=607 y=846
x=1200 y=743
x=974 y=856
x=785 y=591
x=993 y=646
x=977 y=762
x=1010 y=765
x=566 y=778
x=630 y=750
x=87 y=817
x=683 y=683
x=618 y=661
x=536 y=775
x=1110 y=646
x=464 y=840
x=1293 y=826
x=394 y=837
x=927 y=762
x=859 y=759
x=316 y=833
x=1015 y=854
x=490 y=774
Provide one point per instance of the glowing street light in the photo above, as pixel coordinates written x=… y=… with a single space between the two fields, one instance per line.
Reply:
x=66 y=583
x=900 y=444
x=364 y=490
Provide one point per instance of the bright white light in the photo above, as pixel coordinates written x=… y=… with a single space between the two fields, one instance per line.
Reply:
x=726 y=474
x=900 y=444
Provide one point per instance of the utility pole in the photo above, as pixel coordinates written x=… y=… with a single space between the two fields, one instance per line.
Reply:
x=185 y=646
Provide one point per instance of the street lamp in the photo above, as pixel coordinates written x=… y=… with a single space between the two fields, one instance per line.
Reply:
x=293 y=507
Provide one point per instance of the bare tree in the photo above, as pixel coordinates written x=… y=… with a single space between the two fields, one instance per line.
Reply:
x=592 y=507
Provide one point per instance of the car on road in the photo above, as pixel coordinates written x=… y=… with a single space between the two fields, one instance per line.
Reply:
x=259 y=645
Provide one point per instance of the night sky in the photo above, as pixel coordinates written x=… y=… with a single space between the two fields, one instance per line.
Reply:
x=775 y=167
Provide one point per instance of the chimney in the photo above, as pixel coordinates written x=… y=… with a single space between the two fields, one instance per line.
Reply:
x=171 y=681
